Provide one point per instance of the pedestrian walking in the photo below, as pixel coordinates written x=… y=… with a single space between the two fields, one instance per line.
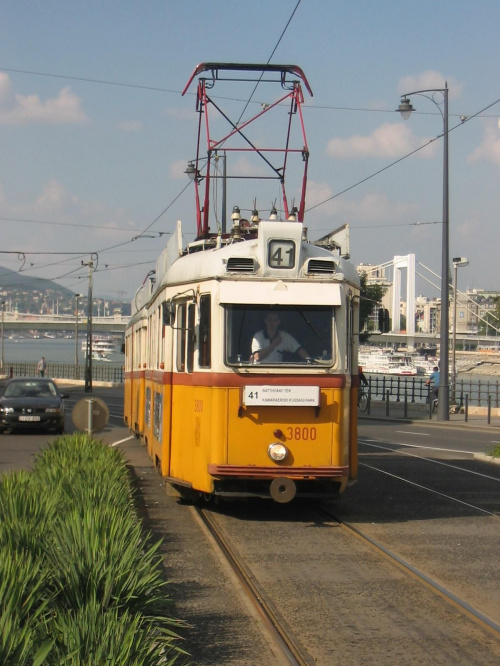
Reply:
x=41 y=367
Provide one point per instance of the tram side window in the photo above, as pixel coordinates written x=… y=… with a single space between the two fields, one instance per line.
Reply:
x=191 y=336
x=309 y=327
x=205 y=338
x=181 y=338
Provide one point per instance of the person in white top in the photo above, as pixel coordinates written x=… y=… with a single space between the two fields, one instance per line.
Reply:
x=270 y=344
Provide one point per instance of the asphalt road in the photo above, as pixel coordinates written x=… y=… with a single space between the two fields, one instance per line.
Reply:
x=421 y=493
x=18 y=448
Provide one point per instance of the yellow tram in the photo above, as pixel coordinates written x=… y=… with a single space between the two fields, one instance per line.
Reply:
x=241 y=353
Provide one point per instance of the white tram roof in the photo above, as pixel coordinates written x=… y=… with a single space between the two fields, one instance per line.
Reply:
x=237 y=260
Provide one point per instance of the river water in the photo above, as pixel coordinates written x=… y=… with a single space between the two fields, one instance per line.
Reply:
x=62 y=350
x=55 y=350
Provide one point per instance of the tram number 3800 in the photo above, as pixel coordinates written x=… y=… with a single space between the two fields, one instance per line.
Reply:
x=300 y=433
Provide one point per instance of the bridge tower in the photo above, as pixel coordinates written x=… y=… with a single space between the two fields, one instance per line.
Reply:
x=401 y=262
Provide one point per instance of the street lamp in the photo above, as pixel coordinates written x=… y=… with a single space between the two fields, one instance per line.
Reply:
x=88 y=352
x=77 y=296
x=3 y=315
x=458 y=262
x=405 y=108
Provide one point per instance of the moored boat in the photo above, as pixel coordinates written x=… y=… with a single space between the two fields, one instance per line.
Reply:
x=381 y=362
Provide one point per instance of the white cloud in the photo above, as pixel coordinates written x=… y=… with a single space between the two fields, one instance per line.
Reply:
x=17 y=109
x=390 y=140
x=430 y=80
x=373 y=207
x=130 y=125
x=181 y=113
x=54 y=198
x=177 y=170
x=489 y=149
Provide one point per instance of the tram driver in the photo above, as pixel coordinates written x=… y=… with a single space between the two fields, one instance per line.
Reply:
x=271 y=343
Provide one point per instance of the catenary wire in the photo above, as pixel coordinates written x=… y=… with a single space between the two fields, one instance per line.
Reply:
x=404 y=157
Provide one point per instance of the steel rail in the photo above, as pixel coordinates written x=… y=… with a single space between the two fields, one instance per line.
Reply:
x=482 y=620
x=292 y=653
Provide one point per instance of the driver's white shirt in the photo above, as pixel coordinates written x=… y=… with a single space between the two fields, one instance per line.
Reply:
x=288 y=344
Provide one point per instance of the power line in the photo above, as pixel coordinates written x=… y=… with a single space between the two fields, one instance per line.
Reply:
x=120 y=84
x=70 y=224
x=89 y=80
x=268 y=61
x=404 y=157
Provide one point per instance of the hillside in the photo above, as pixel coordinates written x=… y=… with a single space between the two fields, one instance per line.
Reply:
x=13 y=284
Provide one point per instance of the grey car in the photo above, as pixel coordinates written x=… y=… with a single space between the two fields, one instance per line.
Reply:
x=32 y=402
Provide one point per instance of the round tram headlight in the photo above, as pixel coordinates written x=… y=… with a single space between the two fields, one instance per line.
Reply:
x=277 y=452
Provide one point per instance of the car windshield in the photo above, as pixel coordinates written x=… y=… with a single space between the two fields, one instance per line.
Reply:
x=31 y=389
x=303 y=334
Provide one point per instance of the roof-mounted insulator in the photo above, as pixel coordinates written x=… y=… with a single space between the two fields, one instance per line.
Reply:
x=293 y=215
x=235 y=215
x=274 y=214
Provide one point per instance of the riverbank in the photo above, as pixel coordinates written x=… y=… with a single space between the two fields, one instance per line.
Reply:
x=478 y=363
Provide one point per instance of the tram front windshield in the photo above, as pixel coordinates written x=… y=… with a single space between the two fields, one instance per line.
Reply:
x=301 y=334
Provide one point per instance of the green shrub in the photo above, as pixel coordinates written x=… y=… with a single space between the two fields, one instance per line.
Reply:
x=88 y=636
x=24 y=607
x=90 y=578
x=27 y=511
x=495 y=452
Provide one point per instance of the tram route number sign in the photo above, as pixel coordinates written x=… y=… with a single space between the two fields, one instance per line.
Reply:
x=290 y=396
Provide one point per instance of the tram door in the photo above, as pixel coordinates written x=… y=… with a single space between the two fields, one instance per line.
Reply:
x=182 y=392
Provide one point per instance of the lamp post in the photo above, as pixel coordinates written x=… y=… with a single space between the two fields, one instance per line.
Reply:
x=77 y=296
x=405 y=108
x=458 y=262
x=88 y=352
x=3 y=315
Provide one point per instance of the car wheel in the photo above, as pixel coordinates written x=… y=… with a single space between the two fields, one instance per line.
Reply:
x=60 y=430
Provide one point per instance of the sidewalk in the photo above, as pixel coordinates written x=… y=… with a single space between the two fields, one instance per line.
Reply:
x=477 y=416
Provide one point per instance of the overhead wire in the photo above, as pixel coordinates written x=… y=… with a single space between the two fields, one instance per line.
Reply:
x=401 y=159
x=268 y=61
x=169 y=90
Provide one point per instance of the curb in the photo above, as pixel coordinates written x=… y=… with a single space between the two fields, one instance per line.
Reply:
x=429 y=422
x=483 y=457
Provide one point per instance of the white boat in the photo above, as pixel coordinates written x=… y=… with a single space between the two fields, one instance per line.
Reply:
x=103 y=345
x=424 y=366
x=100 y=356
x=380 y=362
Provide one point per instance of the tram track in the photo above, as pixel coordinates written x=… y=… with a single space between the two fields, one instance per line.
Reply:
x=286 y=647
x=287 y=642
x=481 y=619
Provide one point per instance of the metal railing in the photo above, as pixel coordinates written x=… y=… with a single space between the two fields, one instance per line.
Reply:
x=112 y=372
x=413 y=390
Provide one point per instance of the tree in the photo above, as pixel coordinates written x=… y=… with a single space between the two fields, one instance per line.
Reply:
x=491 y=320
x=370 y=298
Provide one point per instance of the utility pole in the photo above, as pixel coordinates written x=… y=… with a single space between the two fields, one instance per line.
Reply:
x=88 y=354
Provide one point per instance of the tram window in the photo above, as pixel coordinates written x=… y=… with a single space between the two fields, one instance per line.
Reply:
x=181 y=338
x=310 y=326
x=204 y=353
x=191 y=336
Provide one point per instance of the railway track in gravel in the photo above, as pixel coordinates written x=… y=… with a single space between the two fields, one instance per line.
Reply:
x=482 y=620
x=287 y=646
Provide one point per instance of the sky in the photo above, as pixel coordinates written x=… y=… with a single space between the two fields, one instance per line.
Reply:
x=95 y=135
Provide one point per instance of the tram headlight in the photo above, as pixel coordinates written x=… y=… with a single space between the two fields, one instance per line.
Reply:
x=277 y=452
